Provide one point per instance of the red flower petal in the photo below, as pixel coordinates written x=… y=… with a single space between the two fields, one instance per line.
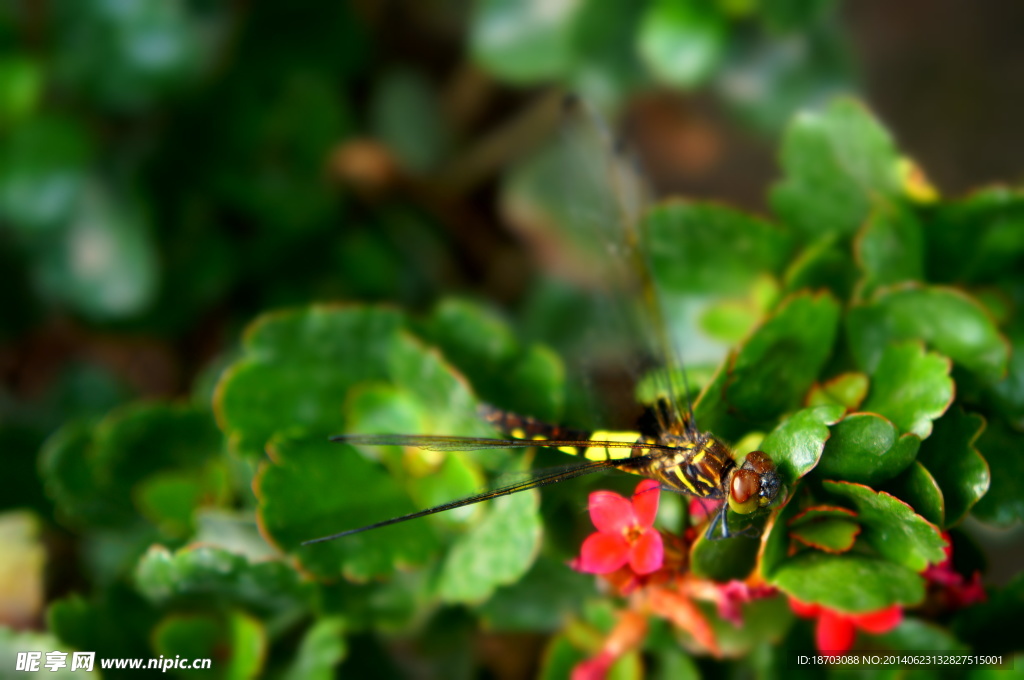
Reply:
x=645 y=502
x=593 y=669
x=647 y=553
x=610 y=512
x=803 y=610
x=603 y=553
x=835 y=632
x=881 y=621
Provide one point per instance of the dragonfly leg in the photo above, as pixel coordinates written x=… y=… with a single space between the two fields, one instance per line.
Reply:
x=720 y=518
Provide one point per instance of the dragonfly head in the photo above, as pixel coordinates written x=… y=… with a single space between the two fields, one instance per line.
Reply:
x=754 y=485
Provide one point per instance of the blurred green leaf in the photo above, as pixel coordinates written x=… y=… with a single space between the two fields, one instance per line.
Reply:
x=21 y=84
x=115 y=623
x=322 y=649
x=106 y=266
x=685 y=242
x=524 y=42
x=89 y=471
x=496 y=552
x=976 y=239
x=725 y=559
x=953 y=460
x=1000 y=445
x=835 y=163
x=774 y=369
x=406 y=116
x=866 y=448
x=128 y=56
x=43 y=165
x=282 y=382
x=848 y=583
x=539 y=601
x=847 y=390
x=891 y=526
x=209 y=576
x=300 y=500
x=991 y=627
x=890 y=247
x=830 y=534
x=682 y=41
x=528 y=380
x=947 y=320
x=235 y=639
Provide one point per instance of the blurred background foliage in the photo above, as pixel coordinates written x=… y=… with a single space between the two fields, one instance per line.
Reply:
x=170 y=170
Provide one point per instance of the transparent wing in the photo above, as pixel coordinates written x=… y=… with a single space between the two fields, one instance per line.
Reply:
x=453 y=443
x=533 y=481
x=614 y=222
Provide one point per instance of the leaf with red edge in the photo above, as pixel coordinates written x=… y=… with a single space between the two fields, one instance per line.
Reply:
x=911 y=387
x=918 y=487
x=796 y=444
x=946 y=319
x=819 y=512
x=847 y=389
x=892 y=527
x=850 y=583
x=866 y=448
x=830 y=534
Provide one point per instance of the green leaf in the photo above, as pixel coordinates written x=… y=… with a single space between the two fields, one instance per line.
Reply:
x=236 y=640
x=918 y=634
x=106 y=265
x=128 y=57
x=684 y=241
x=830 y=535
x=835 y=163
x=321 y=650
x=765 y=621
x=866 y=448
x=1000 y=445
x=406 y=116
x=947 y=320
x=301 y=497
x=957 y=466
x=539 y=601
x=116 y=623
x=822 y=264
x=772 y=372
x=21 y=84
x=891 y=526
x=775 y=544
x=280 y=384
x=910 y=387
x=976 y=239
x=496 y=552
x=796 y=444
x=725 y=559
x=848 y=583
x=991 y=627
x=890 y=247
x=682 y=41
x=847 y=390
x=918 y=487
x=522 y=42
x=207 y=575
x=528 y=380
x=94 y=474
x=43 y=172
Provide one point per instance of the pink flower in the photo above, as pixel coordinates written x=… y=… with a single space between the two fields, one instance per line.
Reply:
x=625 y=533
x=835 y=631
x=953 y=590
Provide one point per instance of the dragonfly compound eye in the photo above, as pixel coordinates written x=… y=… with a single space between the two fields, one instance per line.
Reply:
x=743 y=491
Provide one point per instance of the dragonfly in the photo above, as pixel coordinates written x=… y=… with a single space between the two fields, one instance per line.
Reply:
x=669 y=447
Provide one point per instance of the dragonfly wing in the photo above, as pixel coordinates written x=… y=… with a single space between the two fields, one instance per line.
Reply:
x=453 y=443
x=534 y=481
